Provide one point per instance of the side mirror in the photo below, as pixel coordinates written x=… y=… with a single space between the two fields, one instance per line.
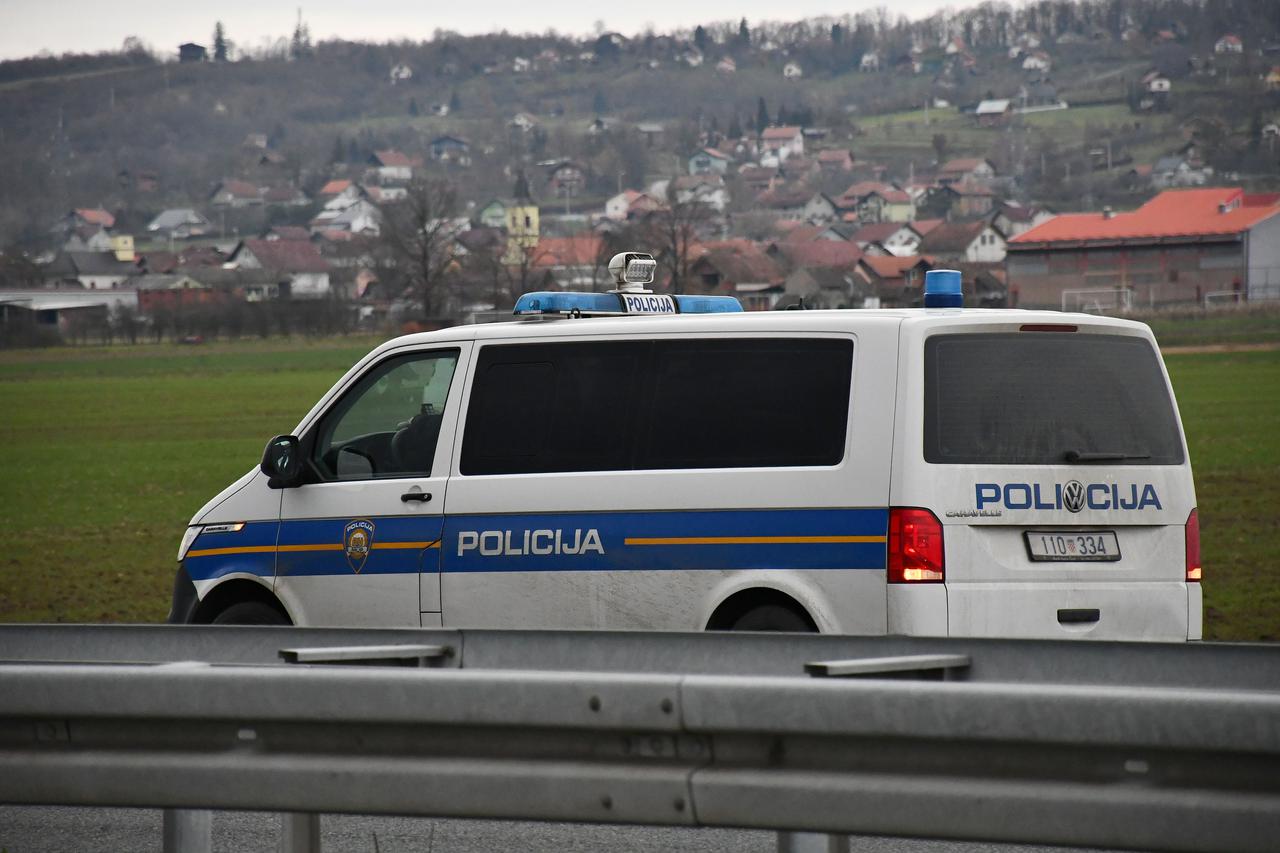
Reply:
x=282 y=462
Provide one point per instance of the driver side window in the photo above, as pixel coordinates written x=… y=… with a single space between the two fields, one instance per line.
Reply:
x=388 y=423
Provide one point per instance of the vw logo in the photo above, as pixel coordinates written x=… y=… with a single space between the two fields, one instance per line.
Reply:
x=1073 y=496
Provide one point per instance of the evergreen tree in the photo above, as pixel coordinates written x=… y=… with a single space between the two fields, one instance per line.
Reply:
x=837 y=34
x=735 y=127
x=784 y=118
x=454 y=103
x=339 y=150
x=219 y=43
x=700 y=38
x=300 y=44
x=762 y=115
x=744 y=34
x=521 y=190
x=413 y=107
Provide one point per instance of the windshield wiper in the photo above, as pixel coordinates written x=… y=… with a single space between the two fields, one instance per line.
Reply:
x=1074 y=456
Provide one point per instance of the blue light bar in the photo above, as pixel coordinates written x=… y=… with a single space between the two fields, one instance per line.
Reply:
x=942 y=289
x=709 y=304
x=585 y=304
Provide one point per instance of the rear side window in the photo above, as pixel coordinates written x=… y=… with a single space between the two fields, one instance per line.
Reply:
x=1046 y=398
x=626 y=405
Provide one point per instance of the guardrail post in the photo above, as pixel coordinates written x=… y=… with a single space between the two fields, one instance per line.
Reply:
x=187 y=831
x=812 y=842
x=299 y=832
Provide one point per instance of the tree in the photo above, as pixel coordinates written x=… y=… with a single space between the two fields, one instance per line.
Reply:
x=744 y=34
x=940 y=146
x=419 y=230
x=762 y=115
x=676 y=228
x=735 y=127
x=455 y=103
x=700 y=38
x=219 y=43
x=413 y=107
x=837 y=34
x=300 y=44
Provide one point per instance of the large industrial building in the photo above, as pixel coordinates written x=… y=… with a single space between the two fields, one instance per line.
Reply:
x=1183 y=246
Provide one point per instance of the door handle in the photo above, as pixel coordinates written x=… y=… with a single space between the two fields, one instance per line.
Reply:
x=420 y=497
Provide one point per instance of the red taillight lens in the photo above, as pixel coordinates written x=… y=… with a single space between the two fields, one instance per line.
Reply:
x=915 y=547
x=1193 y=547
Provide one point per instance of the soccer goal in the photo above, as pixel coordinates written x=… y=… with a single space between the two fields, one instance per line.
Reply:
x=1098 y=301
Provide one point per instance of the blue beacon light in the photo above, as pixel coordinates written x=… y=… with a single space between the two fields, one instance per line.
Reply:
x=942 y=289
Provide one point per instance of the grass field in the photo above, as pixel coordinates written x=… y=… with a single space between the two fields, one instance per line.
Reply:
x=108 y=453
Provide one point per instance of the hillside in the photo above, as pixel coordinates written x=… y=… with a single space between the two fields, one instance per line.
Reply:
x=134 y=135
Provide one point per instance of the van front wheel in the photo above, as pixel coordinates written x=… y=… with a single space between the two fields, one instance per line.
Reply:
x=772 y=617
x=251 y=613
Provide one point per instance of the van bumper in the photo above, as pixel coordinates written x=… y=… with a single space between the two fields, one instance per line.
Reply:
x=183 y=606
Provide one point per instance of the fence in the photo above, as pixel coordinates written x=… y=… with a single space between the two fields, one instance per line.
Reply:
x=1141 y=746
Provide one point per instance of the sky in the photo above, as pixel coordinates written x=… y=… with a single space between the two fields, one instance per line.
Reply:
x=28 y=27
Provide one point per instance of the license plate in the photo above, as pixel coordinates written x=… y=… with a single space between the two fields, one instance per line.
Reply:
x=1058 y=546
x=648 y=303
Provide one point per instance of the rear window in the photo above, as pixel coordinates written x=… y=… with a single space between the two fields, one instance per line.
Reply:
x=1045 y=398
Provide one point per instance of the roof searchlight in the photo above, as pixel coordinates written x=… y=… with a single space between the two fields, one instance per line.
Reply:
x=631 y=271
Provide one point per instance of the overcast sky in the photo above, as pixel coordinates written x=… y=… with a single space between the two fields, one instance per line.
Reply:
x=30 y=26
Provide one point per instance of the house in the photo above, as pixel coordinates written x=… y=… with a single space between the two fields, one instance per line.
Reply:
x=726 y=65
x=1039 y=96
x=834 y=161
x=974 y=242
x=287 y=232
x=1156 y=83
x=630 y=204
x=157 y=292
x=889 y=238
x=565 y=178
x=401 y=73
x=787 y=201
x=333 y=189
x=191 y=52
x=179 y=223
x=691 y=57
x=1272 y=79
x=90 y=270
x=708 y=189
x=652 y=132
x=757 y=179
x=1175 y=171
x=971 y=170
x=1229 y=43
x=285 y=195
x=738 y=268
x=1183 y=246
x=894 y=282
x=296 y=265
x=235 y=194
x=993 y=113
x=359 y=217
x=824 y=287
x=870 y=61
x=81 y=217
x=494 y=214
x=450 y=150
x=1012 y=219
x=391 y=167
x=570 y=263
x=963 y=200
x=600 y=126
x=1037 y=61
x=816 y=254
x=523 y=122
x=792 y=71
x=708 y=161
x=872 y=201
x=88 y=238
x=782 y=142
x=521 y=65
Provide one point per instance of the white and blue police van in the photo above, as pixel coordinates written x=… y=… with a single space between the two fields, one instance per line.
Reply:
x=636 y=460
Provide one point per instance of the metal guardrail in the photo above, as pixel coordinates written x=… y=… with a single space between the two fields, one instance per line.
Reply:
x=1140 y=746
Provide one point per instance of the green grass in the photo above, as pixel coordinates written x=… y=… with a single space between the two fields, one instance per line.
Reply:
x=109 y=451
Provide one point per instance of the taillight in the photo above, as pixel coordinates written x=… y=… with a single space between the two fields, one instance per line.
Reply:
x=1193 y=547
x=915 y=547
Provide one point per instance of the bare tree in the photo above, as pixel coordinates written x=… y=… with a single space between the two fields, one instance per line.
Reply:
x=677 y=227
x=420 y=230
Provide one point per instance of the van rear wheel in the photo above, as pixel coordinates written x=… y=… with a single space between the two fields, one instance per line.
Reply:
x=773 y=617
x=251 y=613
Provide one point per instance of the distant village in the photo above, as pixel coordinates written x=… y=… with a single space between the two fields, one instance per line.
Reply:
x=781 y=215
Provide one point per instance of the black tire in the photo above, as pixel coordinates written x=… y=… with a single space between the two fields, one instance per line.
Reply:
x=773 y=617
x=251 y=613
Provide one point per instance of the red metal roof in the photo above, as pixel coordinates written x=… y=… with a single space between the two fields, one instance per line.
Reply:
x=1173 y=213
x=334 y=187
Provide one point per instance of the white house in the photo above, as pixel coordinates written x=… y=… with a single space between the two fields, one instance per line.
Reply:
x=727 y=65
x=709 y=161
x=792 y=71
x=870 y=61
x=401 y=73
x=1037 y=61
x=782 y=142
x=1229 y=44
x=297 y=261
x=523 y=122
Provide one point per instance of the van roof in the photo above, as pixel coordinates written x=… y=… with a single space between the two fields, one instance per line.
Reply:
x=835 y=320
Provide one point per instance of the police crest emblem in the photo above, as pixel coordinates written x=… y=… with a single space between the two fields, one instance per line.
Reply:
x=357 y=539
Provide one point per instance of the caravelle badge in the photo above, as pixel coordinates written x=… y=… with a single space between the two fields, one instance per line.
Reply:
x=357 y=539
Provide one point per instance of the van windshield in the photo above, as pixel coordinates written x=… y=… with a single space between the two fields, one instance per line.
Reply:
x=1047 y=398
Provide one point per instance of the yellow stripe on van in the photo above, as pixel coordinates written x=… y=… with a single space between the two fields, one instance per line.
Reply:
x=755 y=540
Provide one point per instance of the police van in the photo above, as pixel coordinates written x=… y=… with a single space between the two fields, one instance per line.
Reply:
x=638 y=460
